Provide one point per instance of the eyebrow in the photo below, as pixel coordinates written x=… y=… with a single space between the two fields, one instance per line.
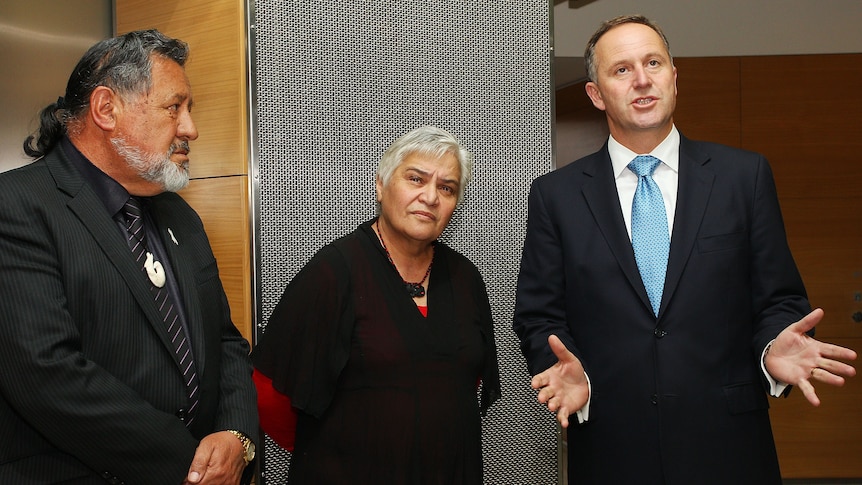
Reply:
x=616 y=59
x=180 y=98
x=426 y=174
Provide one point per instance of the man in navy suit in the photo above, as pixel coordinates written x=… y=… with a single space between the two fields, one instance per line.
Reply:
x=119 y=362
x=669 y=381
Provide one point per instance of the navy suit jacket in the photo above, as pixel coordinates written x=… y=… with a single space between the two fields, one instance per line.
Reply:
x=680 y=398
x=90 y=387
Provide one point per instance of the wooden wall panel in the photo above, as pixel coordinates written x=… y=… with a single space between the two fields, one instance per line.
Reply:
x=580 y=127
x=223 y=205
x=216 y=33
x=708 y=103
x=825 y=234
x=802 y=112
x=822 y=442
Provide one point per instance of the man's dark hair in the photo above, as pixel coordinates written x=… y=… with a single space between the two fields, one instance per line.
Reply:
x=122 y=63
x=590 y=51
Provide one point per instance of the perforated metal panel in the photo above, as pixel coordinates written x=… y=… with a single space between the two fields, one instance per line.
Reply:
x=333 y=84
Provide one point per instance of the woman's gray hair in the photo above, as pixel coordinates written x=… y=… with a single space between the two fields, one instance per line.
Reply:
x=427 y=140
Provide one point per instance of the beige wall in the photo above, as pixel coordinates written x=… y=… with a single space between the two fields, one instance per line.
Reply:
x=706 y=28
x=39 y=47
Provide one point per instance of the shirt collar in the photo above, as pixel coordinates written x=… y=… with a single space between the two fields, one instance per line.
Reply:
x=667 y=151
x=109 y=191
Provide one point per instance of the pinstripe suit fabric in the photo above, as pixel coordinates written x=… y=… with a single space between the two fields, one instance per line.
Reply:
x=90 y=389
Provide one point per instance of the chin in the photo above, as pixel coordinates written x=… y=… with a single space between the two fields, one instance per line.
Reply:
x=431 y=235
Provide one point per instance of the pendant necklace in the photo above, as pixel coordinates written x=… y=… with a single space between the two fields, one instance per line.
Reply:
x=415 y=290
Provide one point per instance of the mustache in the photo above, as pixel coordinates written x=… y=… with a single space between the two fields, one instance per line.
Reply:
x=183 y=145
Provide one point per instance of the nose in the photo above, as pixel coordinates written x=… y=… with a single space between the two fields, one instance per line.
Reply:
x=641 y=78
x=429 y=194
x=187 y=129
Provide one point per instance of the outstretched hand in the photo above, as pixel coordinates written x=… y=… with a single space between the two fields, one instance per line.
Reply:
x=797 y=359
x=563 y=386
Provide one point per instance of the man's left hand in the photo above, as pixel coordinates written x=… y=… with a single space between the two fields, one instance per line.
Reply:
x=218 y=461
x=797 y=359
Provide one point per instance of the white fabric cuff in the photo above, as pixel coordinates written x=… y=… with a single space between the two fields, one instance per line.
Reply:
x=776 y=388
x=584 y=412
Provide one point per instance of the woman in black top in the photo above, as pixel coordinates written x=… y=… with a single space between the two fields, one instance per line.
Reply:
x=378 y=344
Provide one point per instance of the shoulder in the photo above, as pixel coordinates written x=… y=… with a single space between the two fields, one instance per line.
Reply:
x=445 y=252
x=718 y=153
x=170 y=209
x=31 y=193
x=29 y=181
x=351 y=245
x=171 y=201
x=455 y=260
x=337 y=257
x=727 y=166
x=575 y=173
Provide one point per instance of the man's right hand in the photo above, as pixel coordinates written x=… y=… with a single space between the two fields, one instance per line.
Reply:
x=563 y=387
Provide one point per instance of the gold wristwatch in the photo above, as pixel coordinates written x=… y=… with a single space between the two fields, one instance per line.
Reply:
x=247 y=445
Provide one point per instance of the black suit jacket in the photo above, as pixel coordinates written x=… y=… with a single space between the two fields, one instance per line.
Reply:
x=90 y=388
x=679 y=398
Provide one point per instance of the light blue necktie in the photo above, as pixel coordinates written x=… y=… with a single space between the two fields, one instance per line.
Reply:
x=650 y=237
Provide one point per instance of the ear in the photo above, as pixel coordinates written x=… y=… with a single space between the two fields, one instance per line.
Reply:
x=675 y=88
x=595 y=95
x=103 y=107
x=378 y=186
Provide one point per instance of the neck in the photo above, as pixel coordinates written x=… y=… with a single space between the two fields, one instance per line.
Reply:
x=642 y=142
x=98 y=150
x=410 y=259
x=400 y=244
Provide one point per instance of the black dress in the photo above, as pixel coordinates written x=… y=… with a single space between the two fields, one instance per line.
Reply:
x=386 y=396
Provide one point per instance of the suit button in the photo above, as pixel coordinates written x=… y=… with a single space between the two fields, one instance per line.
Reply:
x=110 y=478
x=659 y=333
x=654 y=399
x=182 y=414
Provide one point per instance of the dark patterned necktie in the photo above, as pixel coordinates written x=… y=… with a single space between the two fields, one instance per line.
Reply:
x=650 y=235
x=165 y=304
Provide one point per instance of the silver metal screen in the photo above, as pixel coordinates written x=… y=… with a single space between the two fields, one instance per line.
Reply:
x=333 y=83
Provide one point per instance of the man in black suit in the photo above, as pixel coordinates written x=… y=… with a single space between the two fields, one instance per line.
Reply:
x=663 y=346
x=119 y=360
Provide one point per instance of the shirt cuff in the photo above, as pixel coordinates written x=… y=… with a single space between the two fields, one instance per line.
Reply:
x=584 y=412
x=776 y=388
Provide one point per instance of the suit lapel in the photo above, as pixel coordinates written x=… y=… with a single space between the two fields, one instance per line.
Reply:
x=695 y=187
x=604 y=203
x=89 y=209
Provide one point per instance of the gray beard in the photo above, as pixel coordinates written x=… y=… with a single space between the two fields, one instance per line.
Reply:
x=153 y=167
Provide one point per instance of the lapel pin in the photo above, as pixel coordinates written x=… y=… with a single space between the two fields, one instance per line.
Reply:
x=174 y=239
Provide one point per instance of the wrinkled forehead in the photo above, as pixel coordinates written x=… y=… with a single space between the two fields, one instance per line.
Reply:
x=630 y=37
x=170 y=79
x=628 y=43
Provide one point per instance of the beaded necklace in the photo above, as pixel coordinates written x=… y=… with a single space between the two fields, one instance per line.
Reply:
x=415 y=290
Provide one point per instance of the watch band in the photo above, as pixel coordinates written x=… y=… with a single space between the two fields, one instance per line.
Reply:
x=247 y=445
